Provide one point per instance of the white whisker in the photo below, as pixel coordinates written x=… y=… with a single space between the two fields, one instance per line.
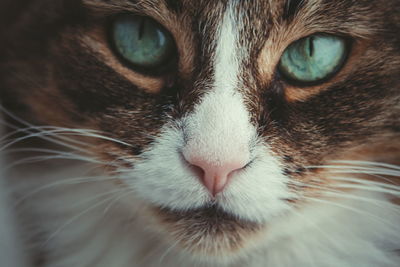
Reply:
x=332 y=190
x=365 y=182
x=115 y=200
x=66 y=182
x=45 y=131
x=169 y=250
x=356 y=169
x=335 y=204
x=367 y=163
x=30 y=126
x=43 y=135
x=35 y=159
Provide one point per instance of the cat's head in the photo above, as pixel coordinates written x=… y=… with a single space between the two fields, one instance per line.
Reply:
x=216 y=113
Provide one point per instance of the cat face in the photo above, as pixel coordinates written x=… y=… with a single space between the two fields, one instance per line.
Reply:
x=220 y=126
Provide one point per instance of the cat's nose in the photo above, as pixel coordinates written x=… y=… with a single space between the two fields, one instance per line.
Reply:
x=215 y=175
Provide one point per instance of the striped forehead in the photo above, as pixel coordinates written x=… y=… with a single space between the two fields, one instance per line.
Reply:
x=224 y=48
x=225 y=51
x=227 y=55
x=221 y=121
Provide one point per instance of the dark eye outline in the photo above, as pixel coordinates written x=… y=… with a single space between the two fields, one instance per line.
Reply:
x=171 y=63
x=348 y=42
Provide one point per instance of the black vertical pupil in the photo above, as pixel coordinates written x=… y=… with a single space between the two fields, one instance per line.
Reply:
x=311 y=45
x=142 y=27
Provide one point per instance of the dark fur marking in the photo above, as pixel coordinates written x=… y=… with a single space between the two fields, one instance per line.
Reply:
x=174 y=5
x=300 y=170
x=288 y=158
x=274 y=98
x=291 y=8
x=287 y=172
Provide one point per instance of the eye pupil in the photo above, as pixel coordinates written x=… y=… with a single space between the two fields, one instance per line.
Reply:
x=141 y=29
x=311 y=45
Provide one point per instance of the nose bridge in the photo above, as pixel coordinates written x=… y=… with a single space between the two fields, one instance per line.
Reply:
x=219 y=127
x=219 y=133
x=218 y=130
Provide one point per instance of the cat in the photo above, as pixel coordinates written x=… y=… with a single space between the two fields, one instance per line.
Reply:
x=200 y=133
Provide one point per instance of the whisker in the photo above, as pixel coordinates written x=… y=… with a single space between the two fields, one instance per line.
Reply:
x=40 y=150
x=65 y=182
x=368 y=163
x=92 y=198
x=57 y=154
x=369 y=172
x=14 y=117
x=99 y=137
x=387 y=205
x=43 y=135
x=366 y=182
x=356 y=169
x=49 y=130
x=168 y=250
x=35 y=159
x=350 y=181
x=115 y=200
x=23 y=122
x=347 y=208
x=366 y=188
x=81 y=132
x=59 y=131
x=331 y=190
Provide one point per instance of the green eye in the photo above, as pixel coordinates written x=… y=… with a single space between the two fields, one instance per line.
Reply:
x=313 y=59
x=142 y=42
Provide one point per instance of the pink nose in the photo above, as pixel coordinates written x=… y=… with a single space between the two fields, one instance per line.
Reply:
x=216 y=176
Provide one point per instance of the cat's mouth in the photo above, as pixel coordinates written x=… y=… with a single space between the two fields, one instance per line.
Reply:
x=209 y=215
x=207 y=229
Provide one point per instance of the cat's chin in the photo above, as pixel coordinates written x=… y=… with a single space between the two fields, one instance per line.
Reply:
x=208 y=230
